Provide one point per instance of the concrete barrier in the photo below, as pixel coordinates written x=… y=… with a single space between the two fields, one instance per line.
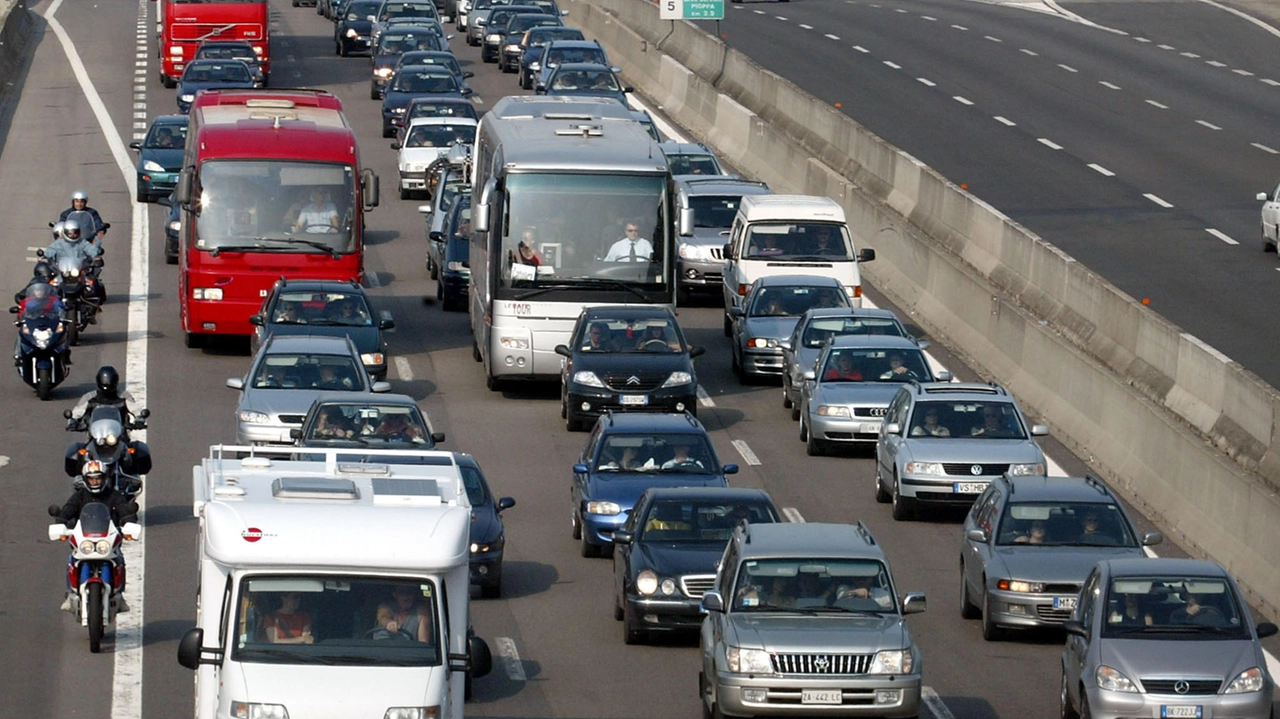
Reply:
x=1185 y=433
x=15 y=30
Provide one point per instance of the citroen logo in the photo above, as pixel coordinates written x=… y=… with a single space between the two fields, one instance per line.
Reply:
x=1182 y=686
x=976 y=470
x=633 y=380
x=821 y=664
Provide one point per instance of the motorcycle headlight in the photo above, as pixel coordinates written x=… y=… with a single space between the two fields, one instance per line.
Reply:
x=1249 y=680
x=86 y=547
x=897 y=661
x=250 y=417
x=606 y=508
x=933 y=469
x=834 y=411
x=678 y=378
x=42 y=337
x=588 y=378
x=111 y=440
x=254 y=710
x=647 y=582
x=102 y=546
x=748 y=661
x=152 y=166
x=1113 y=680
x=1030 y=469
x=73 y=272
x=373 y=358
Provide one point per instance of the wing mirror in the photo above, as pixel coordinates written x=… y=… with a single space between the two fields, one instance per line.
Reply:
x=580 y=469
x=712 y=601
x=437 y=437
x=235 y=382
x=697 y=351
x=505 y=503
x=1152 y=538
x=913 y=603
x=564 y=351
x=976 y=535
x=381 y=387
x=866 y=255
x=891 y=428
x=1039 y=430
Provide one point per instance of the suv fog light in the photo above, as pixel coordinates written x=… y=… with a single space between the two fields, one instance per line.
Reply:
x=758 y=696
x=586 y=406
x=888 y=696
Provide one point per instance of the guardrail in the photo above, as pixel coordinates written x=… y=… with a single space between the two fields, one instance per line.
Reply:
x=1183 y=432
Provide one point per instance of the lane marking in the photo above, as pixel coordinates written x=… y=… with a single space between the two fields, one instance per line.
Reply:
x=893 y=65
x=793 y=515
x=403 y=370
x=934 y=703
x=1191 y=55
x=960 y=27
x=1101 y=170
x=747 y=455
x=1108 y=85
x=510 y=659
x=1166 y=47
x=806 y=27
x=1048 y=143
x=1215 y=63
x=1269 y=81
x=962 y=100
x=1221 y=236
x=4 y=461
x=861 y=49
x=1153 y=103
x=779 y=17
x=1208 y=124
x=1141 y=39
x=926 y=82
x=992 y=39
x=930 y=19
x=1032 y=53
x=829 y=36
x=704 y=399
x=1157 y=200
x=1244 y=73
x=1068 y=68
x=1264 y=148
x=1006 y=121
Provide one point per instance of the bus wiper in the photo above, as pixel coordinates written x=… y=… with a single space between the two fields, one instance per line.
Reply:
x=579 y=282
x=310 y=243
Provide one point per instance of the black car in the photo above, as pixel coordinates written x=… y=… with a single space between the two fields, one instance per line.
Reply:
x=534 y=41
x=394 y=42
x=667 y=553
x=512 y=44
x=324 y=308
x=626 y=358
x=488 y=538
x=412 y=81
x=233 y=50
x=443 y=58
x=495 y=27
x=172 y=224
x=454 y=272
x=212 y=75
x=352 y=30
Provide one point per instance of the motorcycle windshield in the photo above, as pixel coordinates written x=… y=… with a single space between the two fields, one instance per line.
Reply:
x=69 y=264
x=105 y=426
x=95 y=519
x=88 y=228
x=41 y=304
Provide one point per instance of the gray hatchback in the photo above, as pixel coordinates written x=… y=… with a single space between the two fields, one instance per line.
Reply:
x=1164 y=638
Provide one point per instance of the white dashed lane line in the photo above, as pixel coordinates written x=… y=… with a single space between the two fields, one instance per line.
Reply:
x=1101 y=170
x=1153 y=103
x=793 y=515
x=403 y=370
x=992 y=39
x=704 y=399
x=861 y=49
x=1191 y=55
x=961 y=28
x=1157 y=200
x=1005 y=121
x=510 y=659
x=1032 y=53
x=893 y=65
x=926 y=82
x=1068 y=68
x=1215 y=63
x=962 y=100
x=1265 y=149
x=1221 y=236
x=1109 y=85
x=1208 y=124
x=1048 y=143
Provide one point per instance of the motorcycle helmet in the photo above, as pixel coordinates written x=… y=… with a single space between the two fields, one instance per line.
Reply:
x=43 y=272
x=95 y=479
x=79 y=195
x=108 y=380
x=57 y=230
x=71 y=230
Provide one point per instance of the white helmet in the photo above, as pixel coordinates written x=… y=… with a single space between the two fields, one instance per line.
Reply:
x=57 y=230
x=69 y=226
x=79 y=195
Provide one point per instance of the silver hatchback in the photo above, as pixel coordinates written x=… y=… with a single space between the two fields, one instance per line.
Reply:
x=1164 y=638
x=286 y=376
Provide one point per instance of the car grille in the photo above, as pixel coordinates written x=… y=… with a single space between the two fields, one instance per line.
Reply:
x=695 y=585
x=821 y=663
x=644 y=381
x=292 y=418
x=1047 y=613
x=965 y=469
x=1198 y=687
x=870 y=411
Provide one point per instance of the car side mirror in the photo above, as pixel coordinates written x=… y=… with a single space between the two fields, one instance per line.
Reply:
x=622 y=537
x=480 y=657
x=736 y=312
x=696 y=351
x=1267 y=629
x=191 y=650
x=1263 y=197
x=563 y=351
x=466 y=92
x=1152 y=538
x=1075 y=628
x=381 y=387
x=256 y=320
x=943 y=376
x=135 y=146
x=437 y=437
x=866 y=255
x=913 y=603
x=891 y=428
x=467 y=74
x=730 y=469
x=295 y=433
x=810 y=375
x=235 y=382
x=386 y=324
x=976 y=535
x=712 y=601
x=540 y=89
x=628 y=89
x=580 y=469
x=505 y=503
x=1039 y=430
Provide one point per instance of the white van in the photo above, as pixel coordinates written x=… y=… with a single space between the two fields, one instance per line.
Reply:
x=332 y=586
x=790 y=235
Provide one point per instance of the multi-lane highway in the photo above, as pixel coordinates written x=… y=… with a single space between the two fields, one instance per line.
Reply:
x=556 y=613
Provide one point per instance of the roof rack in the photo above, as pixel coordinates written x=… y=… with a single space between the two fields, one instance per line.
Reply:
x=865 y=533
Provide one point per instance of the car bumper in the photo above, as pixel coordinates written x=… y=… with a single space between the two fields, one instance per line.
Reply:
x=359 y=42
x=157 y=183
x=1013 y=609
x=839 y=429
x=413 y=180
x=264 y=433
x=455 y=284
x=486 y=570
x=1123 y=705
x=590 y=404
x=666 y=615
x=598 y=529
x=762 y=362
x=943 y=490
x=695 y=273
x=510 y=59
x=900 y=696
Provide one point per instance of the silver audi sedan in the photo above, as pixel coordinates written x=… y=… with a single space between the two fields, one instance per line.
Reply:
x=818 y=326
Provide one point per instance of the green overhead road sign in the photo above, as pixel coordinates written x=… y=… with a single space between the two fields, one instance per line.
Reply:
x=691 y=9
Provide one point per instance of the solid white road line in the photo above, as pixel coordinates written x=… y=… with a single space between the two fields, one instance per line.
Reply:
x=1221 y=236
x=4 y=461
x=126 y=686
x=403 y=370
x=793 y=515
x=1101 y=170
x=510 y=659
x=1157 y=200
x=747 y=455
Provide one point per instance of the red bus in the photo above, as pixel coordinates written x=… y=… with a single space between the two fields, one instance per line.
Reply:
x=271 y=187
x=184 y=24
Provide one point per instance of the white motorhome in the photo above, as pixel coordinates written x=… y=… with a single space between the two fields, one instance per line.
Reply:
x=790 y=235
x=332 y=585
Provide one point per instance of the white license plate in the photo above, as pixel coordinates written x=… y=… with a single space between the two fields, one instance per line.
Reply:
x=870 y=428
x=970 y=487
x=1064 y=602
x=633 y=400
x=1192 y=712
x=821 y=696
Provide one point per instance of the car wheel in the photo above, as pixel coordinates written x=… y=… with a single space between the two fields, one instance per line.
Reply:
x=571 y=423
x=575 y=525
x=524 y=83
x=1267 y=245
x=702 y=696
x=142 y=195
x=1085 y=711
x=193 y=340
x=882 y=496
x=618 y=613
x=404 y=194
x=990 y=630
x=373 y=92
x=786 y=395
x=440 y=293
x=435 y=270
x=728 y=325
x=493 y=384
x=1065 y=709
x=587 y=548
x=904 y=508
x=795 y=412
x=968 y=609
x=631 y=634
x=814 y=446
x=683 y=296
x=388 y=131
x=804 y=431
x=475 y=351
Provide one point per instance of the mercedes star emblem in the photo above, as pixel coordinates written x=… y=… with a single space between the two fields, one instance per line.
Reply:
x=1182 y=686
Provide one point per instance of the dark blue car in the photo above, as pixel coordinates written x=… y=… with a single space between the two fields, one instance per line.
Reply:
x=488 y=538
x=210 y=75
x=413 y=81
x=352 y=30
x=628 y=454
x=172 y=223
x=160 y=157
x=584 y=79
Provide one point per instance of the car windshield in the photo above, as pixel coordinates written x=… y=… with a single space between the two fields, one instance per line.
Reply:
x=689 y=164
x=477 y=490
x=875 y=365
x=792 y=301
x=302 y=307
x=822 y=330
x=713 y=211
x=235 y=71
x=431 y=57
x=441 y=109
x=368 y=424
x=439 y=135
x=395 y=43
x=972 y=419
x=361 y=11
x=557 y=55
x=397 y=9
x=657 y=453
x=166 y=136
x=1172 y=607
x=307 y=371
x=789 y=241
x=690 y=521
x=585 y=80
x=801 y=585
x=336 y=620
x=631 y=334
x=1057 y=524
x=538 y=38
x=424 y=82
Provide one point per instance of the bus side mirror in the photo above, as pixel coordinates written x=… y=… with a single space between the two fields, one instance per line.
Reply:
x=686 y=222
x=369 y=187
x=480 y=208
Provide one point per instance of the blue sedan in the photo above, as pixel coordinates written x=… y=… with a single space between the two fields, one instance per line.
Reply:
x=160 y=157
x=212 y=75
x=412 y=81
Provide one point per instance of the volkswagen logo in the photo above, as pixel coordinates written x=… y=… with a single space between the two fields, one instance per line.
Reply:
x=633 y=380
x=976 y=470
x=1182 y=686
x=821 y=664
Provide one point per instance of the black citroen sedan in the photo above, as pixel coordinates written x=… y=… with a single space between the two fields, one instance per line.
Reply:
x=626 y=358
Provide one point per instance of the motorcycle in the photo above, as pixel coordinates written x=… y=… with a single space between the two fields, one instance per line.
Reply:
x=95 y=555
x=82 y=294
x=123 y=460
x=42 y=347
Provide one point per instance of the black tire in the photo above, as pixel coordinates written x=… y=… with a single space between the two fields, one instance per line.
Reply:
x=804 y=432
x=492 y=591
x=1065 y=710
x=526 y=81
x=470 y=41
x=435 y=271
x=475 y=351
x=404 y=194
x=373 y=93
x=440 y=292
x=786 y=397
x=587 y=549
x=573 y=424
x=882 y=495
x=1085 y=711
x=73 y=333
x=451 y=302
x=904 y=508
x=141 y=195
x=466 y=688
x=44 y=383
x=342 y=49
x=631 y=634
x=991 y=632
x=493 y=383
x=1267 y=245
x=167 y=81
x=728 y=325
x=388 y=131
x=814 y=447
x=96 y=625
x=795 y=414
x=968 y=609
x=575 y=525
x=618 y=614
x=193 y=340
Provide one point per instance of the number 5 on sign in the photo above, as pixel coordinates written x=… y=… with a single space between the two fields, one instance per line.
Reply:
x=671 y=9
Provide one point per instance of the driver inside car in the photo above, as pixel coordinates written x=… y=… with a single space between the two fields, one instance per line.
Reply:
x=404 y=617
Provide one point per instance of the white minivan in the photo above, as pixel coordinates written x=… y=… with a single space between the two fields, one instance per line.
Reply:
x=789 y=235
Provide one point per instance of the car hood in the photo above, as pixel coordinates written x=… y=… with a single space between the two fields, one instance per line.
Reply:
x=363 y=27
x=877 y=394
x=327 y=693
x=366 y=339
x=672 y=559
x=624 y=489
x=280 y=401
x=191 y=88
x=1057 y=565
x=397 y=98
x=169 y=159
x=1169 y=657
x=421 y=154
x=485 y=524
x=619 y=362
x=843 y=634
x=978 y=451
x=777 y=327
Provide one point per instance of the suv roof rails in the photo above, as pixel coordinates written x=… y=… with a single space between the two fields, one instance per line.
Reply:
x=865 y=533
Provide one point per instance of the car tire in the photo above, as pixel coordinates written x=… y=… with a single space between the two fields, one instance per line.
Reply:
x=388 y=131
x=193 y=340
x=573 y=424
x=618 y=613
x=786 y=396
x=882 y=495
x=475 y=351
x=492 y=591
x=813 y=446
x=524 y=83
x=904 y=508
x=1085 y=711
x=1065 y=710
x=795 y=413
x=804 y=431
x=968 y=610
x=631 y=635
x=728 y=325
x=586 y=548
x=493 y=384
x=575 y=526
x=991 y=631
x=373 y=93
x=342 y=49
x=1267 y=245
x=404 y=194
x=142 y=195
x=435 y=270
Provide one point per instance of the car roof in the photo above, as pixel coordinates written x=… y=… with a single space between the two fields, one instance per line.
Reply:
x=321 y=286
x=860 y=312
x=403 y=400
x=797 y=280
x=888 y=342
x=1056 y=489
x=318 y=344
x=808 y=539
x=695 y=185
x=171 y=120
x=629 y=310
x=960 y=391
x=598 y=67
x=575 y=44
x=652 y=422
x=441 y=120
x=729 y=494
x=1151 y=566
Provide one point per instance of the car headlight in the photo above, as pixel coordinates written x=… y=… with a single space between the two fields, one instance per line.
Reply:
x=606 y=508
x=351 y=32
x=249 y=416
x=762 y=342
x=512 y=48
x=398 y=110
x=494 y=546
x=412 y=713
x=748 y=661
x=934 y=469
x=647 y=582
x=1029 y=469
x=1112 y=680
x=152 y=166
x=896 y=661
x=254 y=710
x=1249 y=680
x=373 y=358
x=383 y=72
x=206 y=293
x=588 y=378
x=456 y=266
x=678 y=378
x=693 y=252
x=1010 y=585
x=827 y=410
x=188 y=98
x=175 y=225
x=535 y=66
x=493 y=37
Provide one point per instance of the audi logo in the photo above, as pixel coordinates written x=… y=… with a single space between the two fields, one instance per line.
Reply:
x=877 y=411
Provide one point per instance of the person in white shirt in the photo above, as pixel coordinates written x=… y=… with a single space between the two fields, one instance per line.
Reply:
x=319 y=216
x=632 y=248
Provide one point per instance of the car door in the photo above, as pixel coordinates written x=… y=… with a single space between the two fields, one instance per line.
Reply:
x=730 y=276
x=982 y=516
x=622 y=552
x=791 y=372
x=580 y=479
x=1076 y=651
x=712 y=633
x=1271 y=215
x=888 y=444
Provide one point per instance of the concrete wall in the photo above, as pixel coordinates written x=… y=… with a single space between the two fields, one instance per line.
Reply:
x=1185 y=433
x=15 y=29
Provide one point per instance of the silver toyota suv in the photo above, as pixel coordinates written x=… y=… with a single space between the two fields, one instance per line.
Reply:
x=942 y=443
x=713 y=201
x=805 y=619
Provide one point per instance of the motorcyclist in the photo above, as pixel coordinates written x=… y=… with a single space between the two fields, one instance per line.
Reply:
x=70 y=245
x=92 y=486
x=107 y=394
x=39 y=298
x=42 y=275
x=80 y=203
